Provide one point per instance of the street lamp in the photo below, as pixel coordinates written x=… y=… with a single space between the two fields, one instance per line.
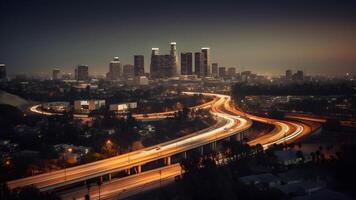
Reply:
x=70 y=150
x=160 y=178
x=7 y=162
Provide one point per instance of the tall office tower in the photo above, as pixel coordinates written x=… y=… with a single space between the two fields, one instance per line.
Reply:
x=115 y=70
x=55 y=74
x=231 y=71
x=214 y=69
x=197 y=63
x=165 y=66
x=186 y=63
x=82 y=72
x=299 y=75
x=222 y=72
x=155 y=63
x=206 y=61
x=289 y=74
x=174 y=59
x=128 y=71
x=139 y=65
x=3 y=74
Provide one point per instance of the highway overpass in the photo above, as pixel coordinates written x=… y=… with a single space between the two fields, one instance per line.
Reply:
x=228 y=125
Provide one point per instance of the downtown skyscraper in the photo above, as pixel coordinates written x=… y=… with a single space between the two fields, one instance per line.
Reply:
x=186 y=61
x=164 y=66
x=214 y=69
x=202 y=62
x=155 y=63
x=205 y=69
x=81 y=73
x=55 y=74
x=115 y=69
x=174 y=59
x=197 y=63
x=139 y=65
x=3 y=74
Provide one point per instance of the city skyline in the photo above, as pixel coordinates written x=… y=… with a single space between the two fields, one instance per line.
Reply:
x=188 y=99
x=314 y=37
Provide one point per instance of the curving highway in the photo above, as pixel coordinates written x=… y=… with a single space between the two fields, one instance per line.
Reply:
x=227 y=125
x=285 y=131
x=161 y=115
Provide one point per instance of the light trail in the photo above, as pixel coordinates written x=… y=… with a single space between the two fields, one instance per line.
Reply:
x=284 y=132
x=228 y=125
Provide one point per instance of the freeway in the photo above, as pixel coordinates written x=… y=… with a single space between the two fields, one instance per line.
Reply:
x=285 y=131
x=161 y=115
x=227 y=125
x=123 y=187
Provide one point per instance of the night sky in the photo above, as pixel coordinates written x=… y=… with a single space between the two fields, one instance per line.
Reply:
x=318 y=36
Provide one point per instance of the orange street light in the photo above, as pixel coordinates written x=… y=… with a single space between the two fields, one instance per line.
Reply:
x=8 y=162
x=70 y=150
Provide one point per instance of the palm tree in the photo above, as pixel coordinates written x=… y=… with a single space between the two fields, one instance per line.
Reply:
x=317 y=154
x=88 y=187
x=312 y=154
x=99 y=183
x=300 y=155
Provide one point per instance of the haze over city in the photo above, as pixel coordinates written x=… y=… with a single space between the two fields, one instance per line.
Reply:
x=268 y=38
x=177 y=100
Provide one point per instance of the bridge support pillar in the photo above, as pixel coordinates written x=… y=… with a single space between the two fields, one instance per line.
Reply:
x=237 y=137
x=201 y=150
x=109 y=177
x=128 y=171
x=185 y=155
x=167 y=160
x=138 y=169
x=213 y=146
x=240 y=136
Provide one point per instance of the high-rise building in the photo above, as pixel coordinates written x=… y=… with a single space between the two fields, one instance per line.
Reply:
x=154 y=67
x=289 y=74
x=186 y=62
x=3 y=74
x=246 y=73
x=115 y=70
x=231 y=71
x=55 y=74
x=165 y=66
x=139 y=65
x=299 y=75
x=82 y=72
x=174 y=59
x=197 y=63
x=222 y=72
x=161 y=65
x=128 y=71
x=214 y=69
x=206 y=61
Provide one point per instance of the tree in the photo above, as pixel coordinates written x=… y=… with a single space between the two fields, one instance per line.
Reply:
x=88 y=185
x=300 y=155
x=25 y=193
x=99 y=183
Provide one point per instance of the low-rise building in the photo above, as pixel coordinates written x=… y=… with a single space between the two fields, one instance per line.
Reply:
x=301 y=188
x=86 y=106
x=287 y=157
x=121 y=107
x=267 y=179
